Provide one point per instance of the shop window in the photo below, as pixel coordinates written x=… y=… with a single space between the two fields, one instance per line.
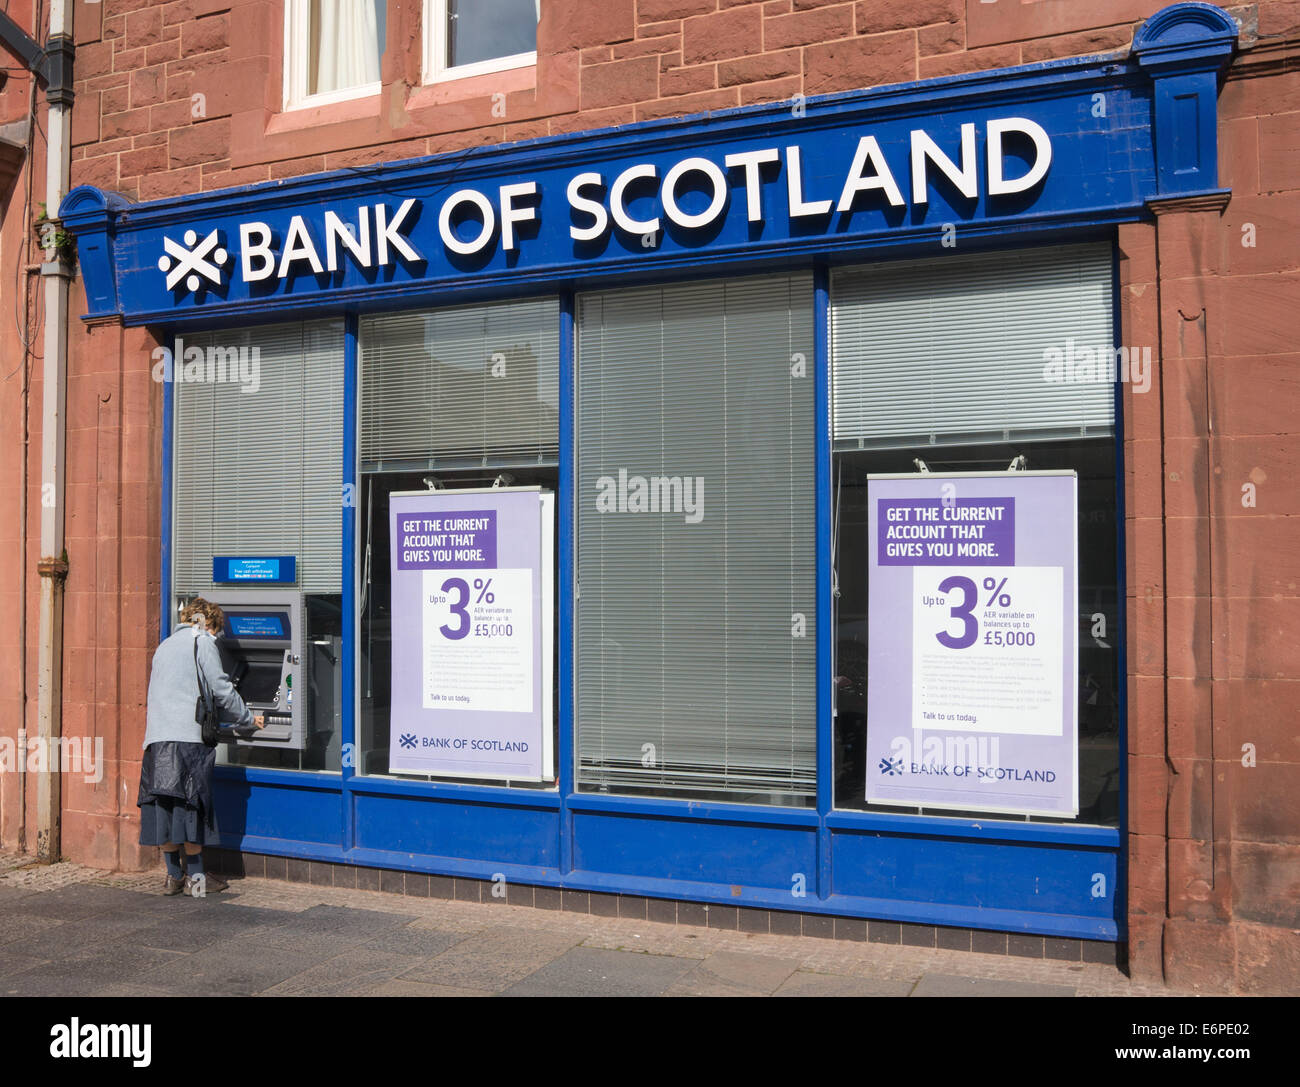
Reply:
x=475 y=37
x=951 y=366
x=333 y=50
x=257 y=478
x=696 y=618
x=453 y=400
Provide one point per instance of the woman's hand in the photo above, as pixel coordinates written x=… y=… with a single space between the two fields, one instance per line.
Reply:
x=259 y=721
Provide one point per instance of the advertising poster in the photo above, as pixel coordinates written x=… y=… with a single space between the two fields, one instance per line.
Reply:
x=471 y=612
x=973 y=671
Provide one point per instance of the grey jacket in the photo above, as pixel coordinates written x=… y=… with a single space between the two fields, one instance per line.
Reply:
x=174 y=688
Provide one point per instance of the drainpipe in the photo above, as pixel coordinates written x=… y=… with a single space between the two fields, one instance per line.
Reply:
x=53 y=564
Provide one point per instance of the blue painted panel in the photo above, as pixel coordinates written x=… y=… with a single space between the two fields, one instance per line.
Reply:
x=975 y=875
x=694 y=851
x=1098 y=165
x=989 y=829
x=481 y=832
x=273 y=811
x=693 y=811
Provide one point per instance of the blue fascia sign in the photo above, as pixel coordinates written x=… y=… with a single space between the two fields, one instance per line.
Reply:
x=1054 y=145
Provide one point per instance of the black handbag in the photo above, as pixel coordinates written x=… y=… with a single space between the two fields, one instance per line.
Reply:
x=205 y=711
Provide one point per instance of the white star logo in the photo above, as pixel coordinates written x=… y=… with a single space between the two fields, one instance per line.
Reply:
x=191 y=261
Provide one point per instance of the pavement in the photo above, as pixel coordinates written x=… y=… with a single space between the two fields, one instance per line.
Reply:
x=67 y=930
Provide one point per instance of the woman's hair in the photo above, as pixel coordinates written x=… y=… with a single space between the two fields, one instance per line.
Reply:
x=200 y=610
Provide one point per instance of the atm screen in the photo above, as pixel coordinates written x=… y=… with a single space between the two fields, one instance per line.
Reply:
x=259 y=683
x=257 y=624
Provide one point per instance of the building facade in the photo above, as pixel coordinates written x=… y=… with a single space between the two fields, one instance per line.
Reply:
x=797 y=463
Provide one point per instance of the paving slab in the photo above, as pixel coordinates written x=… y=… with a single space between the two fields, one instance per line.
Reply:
x=13 y=962
x=354 y=973
x=128 y=989
x=809 y=983
x=493 y=959
x=79 y=901
x=402 y=987
x=325 y=930
x=734 y=973
x=410 y=940
x=87 y=969
x=10 y=895
x=957 y=985
x=19 y=930
x=594 y=971
x=230 y=967
x=189 y=930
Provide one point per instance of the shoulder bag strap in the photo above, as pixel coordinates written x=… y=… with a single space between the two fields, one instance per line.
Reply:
x=204 y=691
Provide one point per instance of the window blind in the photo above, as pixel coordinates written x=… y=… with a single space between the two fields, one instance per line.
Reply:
x=695 y=657
x=951 y=350
x=461 y=387
x=258 y=451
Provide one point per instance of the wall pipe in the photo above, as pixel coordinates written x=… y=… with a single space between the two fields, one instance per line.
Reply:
x=53 y=563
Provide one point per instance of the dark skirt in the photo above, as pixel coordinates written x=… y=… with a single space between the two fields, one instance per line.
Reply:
x=168 y=819
x=175 y=797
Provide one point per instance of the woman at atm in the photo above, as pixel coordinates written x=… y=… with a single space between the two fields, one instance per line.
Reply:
x=175 y=797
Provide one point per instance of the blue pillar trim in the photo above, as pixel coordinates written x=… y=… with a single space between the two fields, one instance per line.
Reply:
x=1183 y=49
x=350 y=497
x=165 y=520
x=825 y=615
x=564 y=590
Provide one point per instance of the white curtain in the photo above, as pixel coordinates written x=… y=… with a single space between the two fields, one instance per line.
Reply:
x=346 y=38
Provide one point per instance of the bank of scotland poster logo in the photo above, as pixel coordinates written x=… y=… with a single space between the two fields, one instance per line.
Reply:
x=191 y=262
x=407 y=739
x=891 y=767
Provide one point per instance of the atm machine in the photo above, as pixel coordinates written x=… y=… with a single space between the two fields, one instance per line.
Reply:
x=278 y=671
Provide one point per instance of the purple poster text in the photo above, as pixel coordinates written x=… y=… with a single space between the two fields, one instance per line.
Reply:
x=946 y=532
x=459 y=539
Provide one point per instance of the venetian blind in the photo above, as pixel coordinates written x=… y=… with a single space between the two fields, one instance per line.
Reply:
x=952 y=350
x=695 y=657
x=258 y=451
x=461 y=387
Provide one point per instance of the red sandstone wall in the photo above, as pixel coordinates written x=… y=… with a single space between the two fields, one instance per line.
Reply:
x=114 y=445
x=1214 y=587
x=140 y=130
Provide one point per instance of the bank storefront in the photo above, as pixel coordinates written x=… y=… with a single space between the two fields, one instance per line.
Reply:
x=725 y=510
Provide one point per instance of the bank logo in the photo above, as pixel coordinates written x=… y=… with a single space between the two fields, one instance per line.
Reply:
x=407 y=739
x=190 y=262
x=891 y=767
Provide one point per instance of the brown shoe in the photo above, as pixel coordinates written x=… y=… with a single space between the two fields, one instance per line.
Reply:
x=173 y=886
x=204 y=885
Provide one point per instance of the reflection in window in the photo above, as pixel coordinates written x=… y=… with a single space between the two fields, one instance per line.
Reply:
x=941 y=362
x=469 y=37
x=1099 y=661
x=454 y=398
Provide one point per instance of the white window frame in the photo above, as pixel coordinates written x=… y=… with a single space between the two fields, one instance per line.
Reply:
x=297 y=40
x=436 y=69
